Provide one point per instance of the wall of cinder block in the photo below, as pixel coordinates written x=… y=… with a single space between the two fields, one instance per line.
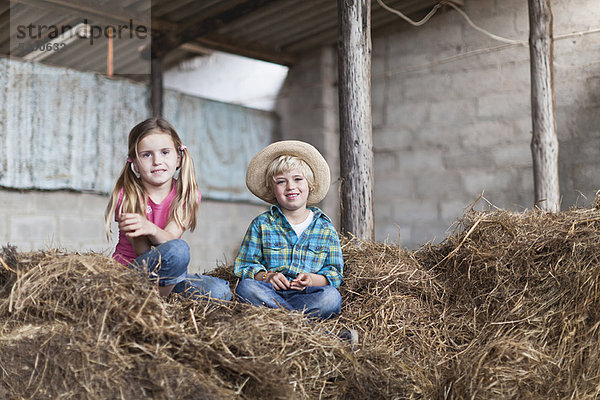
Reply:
x=33 y=220
x=307 y=107
x=451 y=114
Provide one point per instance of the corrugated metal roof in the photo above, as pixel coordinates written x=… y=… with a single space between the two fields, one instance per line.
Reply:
x=272 y=30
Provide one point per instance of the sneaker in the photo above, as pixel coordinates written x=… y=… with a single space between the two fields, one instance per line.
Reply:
x=349 y=335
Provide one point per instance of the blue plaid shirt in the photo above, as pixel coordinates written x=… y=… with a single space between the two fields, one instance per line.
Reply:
x=271 y=244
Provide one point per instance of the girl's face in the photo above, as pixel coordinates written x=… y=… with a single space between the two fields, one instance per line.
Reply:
x=157 y=159
x=291 y=190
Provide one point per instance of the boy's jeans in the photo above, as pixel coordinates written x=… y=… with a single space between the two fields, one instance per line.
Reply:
x=168 y=263
x=198 y=287
x=315 y=301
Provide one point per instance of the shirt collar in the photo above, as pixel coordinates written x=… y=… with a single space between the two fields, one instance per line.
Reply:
x=275 y=210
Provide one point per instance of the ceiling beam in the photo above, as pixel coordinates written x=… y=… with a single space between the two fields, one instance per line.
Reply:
x=246 y=49
x=196 y=49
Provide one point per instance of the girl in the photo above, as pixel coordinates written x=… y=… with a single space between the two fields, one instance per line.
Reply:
x=154 y=207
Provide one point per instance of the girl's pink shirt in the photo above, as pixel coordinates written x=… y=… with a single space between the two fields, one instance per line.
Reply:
x=158 y=214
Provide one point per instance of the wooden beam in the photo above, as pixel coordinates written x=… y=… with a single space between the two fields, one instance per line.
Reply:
x=356 y=139
x=544 y=142
x=196 y=49
x=246 y=49
x=156 y=86
x=166 y=43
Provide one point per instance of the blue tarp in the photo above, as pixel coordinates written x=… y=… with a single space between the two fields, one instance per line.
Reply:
x=65 y=129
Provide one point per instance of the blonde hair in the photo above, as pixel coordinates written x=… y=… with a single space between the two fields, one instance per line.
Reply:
x=185 y=205
x=284 y=164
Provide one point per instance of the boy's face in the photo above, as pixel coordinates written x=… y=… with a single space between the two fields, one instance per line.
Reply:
x=291 y=190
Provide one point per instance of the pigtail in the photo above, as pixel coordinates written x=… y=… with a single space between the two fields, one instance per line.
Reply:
x=111 y=207
x=185 y=206
x=134 y=197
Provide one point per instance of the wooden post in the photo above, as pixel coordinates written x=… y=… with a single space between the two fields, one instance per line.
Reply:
x=110 y=54
x=544 y=143
x=156 y=86
x=356 y=141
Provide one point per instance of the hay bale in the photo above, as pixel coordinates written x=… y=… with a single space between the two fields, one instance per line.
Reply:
x=82 y=326
x=522 y=293
x=507 y=306
x=392 y=300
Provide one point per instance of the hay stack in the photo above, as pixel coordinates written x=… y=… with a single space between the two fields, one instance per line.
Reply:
x=522 y=303
x=79 y=326
x=505 y=307
x=82 y=326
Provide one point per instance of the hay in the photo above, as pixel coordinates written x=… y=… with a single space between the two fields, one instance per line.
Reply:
x=523 y=289
x=82 y=326
x=507 y=306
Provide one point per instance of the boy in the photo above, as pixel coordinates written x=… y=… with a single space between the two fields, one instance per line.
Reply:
x=291 y=255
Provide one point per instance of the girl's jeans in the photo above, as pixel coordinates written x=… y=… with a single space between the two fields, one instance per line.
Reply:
x=167 y=263
x=315 y=301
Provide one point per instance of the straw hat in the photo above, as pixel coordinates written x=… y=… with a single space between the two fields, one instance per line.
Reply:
x=255 y=175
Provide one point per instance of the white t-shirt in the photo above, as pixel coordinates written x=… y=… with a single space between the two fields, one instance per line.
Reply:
x=301 y=227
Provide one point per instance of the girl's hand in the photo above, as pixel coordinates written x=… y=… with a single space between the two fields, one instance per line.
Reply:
x=278 y=280
x=302 y=281
x=135 y=225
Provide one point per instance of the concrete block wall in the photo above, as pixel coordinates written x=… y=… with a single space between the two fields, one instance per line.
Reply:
x=73 y=221
x=307 y=106
x=451 y=114
x=219 y=233
x=48 y=219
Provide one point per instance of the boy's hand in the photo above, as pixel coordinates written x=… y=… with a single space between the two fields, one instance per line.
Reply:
x=302 y=281
x=135 y=225
x=279 y=281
